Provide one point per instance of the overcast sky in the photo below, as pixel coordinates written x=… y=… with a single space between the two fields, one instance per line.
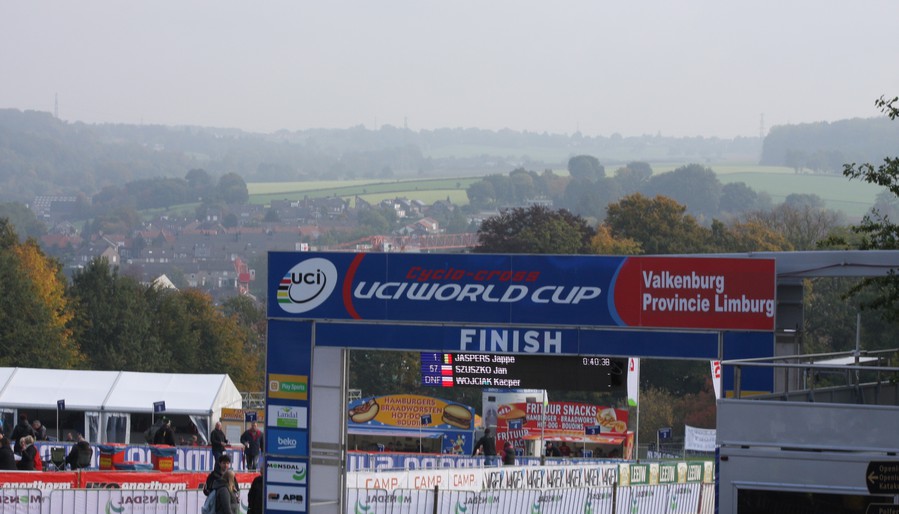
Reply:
x=692 y=68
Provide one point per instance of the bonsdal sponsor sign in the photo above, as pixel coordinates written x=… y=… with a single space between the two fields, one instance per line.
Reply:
x=286 y=472
x=680 y=292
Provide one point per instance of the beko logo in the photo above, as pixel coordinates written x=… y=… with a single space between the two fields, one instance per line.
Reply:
x=287 y=443
x=307 y=285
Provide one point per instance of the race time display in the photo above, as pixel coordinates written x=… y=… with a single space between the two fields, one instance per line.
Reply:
x=574 y=373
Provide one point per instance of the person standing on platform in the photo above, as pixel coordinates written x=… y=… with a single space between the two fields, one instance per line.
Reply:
x=487 y=446
x=218 y=441
x=253 y=443
x=20 y=431
x=165 y=434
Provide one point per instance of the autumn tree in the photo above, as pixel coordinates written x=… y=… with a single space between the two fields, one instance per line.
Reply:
x=535 y=230
x=34 y=312
x=604 y=243
x=659 y=225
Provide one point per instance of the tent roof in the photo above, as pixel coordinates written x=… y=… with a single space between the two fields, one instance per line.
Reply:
x=116 y=391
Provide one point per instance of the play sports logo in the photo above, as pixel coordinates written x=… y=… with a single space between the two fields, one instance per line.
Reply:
x=307 y=285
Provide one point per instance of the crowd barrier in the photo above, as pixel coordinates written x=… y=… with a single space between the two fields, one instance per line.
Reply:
x=384 y=461
x=185 y=458
x=685 y=487
x=107 y=492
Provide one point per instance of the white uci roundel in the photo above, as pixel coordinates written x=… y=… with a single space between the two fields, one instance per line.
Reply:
x=307 y=285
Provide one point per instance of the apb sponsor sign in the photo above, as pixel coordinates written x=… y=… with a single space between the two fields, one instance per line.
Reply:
x=709 y=293
x=286 y=472
x=285 y=498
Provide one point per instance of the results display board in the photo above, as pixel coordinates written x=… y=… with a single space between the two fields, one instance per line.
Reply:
x=574 y=373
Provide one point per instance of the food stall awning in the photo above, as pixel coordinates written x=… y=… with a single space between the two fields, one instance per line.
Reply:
x=595 y=439
x=386 y=432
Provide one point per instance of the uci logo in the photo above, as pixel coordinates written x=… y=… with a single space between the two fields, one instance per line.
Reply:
x=307 y=285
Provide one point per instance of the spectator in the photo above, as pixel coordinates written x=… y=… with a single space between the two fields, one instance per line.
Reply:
x=7 y=457
x=30 y=461
x=564 y=450
x=79 y=455
x=253 y=443
x=508 y=454
x=165 y=434
x=218 y=441
x=40 y=431
x=486 y=445
x=20 y=431
x=227 y=500
x=69 y=437
x=217 y=472
x=551 y=450
x=254 y=497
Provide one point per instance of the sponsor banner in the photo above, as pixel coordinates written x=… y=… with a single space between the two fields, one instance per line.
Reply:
x=115 y=501
x=279 y=497
x=24 y=501
x=240 y=415
x=700 y=439
x=286 y=416
x=716 y=376
x=170 y=482
x=633 y=382
x=407 y=410
x=374 y=501
x=288 y=387
x=641 y=498
x=676 y=292
x=287 y=442
x=286 y=472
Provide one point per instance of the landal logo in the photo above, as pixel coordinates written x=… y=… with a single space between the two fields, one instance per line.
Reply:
x=288 y=417
x=307 y=285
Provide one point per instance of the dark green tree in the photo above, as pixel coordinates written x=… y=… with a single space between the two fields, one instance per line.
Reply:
x=693 y=186
x=535 y=230
x=232 y=189
x=586 y=167
x=114 y=320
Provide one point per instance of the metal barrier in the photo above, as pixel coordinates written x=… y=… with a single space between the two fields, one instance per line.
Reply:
x=113 y=501
x=21 y=501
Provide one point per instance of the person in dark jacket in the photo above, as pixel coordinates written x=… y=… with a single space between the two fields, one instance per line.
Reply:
x=508 y=454
x=487 y=446
x=80 y=448
x=252 y=441
x=40 y=431
x=30 y=460
x=218 y=441
x=20 y=431
x=216 y=474
x=165 y=434
x=7 y=457
x=254 y=497
x=227 y=500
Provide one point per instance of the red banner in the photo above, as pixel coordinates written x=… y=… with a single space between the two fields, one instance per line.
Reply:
x=517 y=422
x=696 y=292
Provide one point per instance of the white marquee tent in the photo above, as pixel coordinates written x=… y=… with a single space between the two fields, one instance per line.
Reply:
x=108 y=398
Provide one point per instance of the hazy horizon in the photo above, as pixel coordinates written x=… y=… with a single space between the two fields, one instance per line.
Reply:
x=703 y=68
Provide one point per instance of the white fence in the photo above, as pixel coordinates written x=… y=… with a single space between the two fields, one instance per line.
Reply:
x=103 y=501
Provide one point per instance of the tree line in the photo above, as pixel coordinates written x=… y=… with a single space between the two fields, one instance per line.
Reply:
x=102 y=320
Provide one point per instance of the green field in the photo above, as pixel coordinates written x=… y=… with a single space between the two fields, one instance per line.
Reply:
x=424 y=190
x=854 y=197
